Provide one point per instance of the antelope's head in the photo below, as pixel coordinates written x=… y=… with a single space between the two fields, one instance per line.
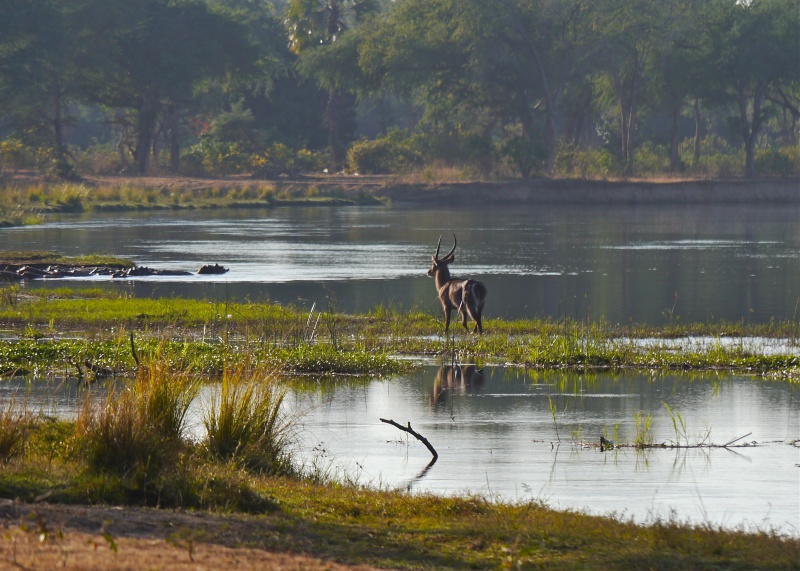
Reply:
x=440 y=264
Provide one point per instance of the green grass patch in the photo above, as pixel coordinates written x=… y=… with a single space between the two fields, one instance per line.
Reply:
x=211 y=334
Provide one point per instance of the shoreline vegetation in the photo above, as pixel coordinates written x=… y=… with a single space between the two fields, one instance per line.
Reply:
x=151 y=356
x=28 y=199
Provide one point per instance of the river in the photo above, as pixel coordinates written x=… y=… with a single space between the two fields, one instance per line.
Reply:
x=645 y=264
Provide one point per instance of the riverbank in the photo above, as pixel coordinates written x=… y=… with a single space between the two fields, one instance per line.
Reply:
x=397 y=191
x=26 y=196
x=583 y=192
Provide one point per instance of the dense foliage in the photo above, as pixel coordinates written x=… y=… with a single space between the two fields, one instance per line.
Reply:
x=588 y=88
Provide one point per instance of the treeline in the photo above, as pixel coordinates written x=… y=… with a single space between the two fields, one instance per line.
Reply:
x=589 y=88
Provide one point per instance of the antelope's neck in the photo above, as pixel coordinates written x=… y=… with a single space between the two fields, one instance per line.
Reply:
x=442 y=276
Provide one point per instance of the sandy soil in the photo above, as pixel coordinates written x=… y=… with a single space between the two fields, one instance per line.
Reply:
x=46 y=536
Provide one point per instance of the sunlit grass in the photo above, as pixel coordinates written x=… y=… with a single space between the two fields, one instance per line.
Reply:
x=28 y=202
x=211 y=334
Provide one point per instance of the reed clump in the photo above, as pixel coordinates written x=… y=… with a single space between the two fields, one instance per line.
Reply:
x=244 y=422
x=139 y=429
x=15 y=427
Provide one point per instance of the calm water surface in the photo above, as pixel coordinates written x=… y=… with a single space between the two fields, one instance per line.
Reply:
x=643 y=264
x=495 y=435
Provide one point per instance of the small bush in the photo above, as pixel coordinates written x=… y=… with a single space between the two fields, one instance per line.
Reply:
x=650 y=159
x=393 y=153
x=280 y=159
x=211 y=156
x=599 y=163
x=98 y=159
x=14 y=154
x=772 y=162
x=717 y=157
x=526 y=155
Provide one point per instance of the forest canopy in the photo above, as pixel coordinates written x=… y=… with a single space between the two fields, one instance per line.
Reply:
x=508 y=88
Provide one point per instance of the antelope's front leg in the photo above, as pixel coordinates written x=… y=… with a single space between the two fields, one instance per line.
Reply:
x=447 y=312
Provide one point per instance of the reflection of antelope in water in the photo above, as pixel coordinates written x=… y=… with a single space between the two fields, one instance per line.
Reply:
x=464 y=295
x=456 y=378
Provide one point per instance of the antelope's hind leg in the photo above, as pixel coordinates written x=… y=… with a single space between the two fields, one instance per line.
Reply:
x=475 y=314
x=464 y=310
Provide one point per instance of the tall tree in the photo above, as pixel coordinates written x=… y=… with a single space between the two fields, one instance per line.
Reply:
x=38 y=75
x=630 y=31
x=750 y=50
x=148 y=55
x=312 y=24
x=511 y=59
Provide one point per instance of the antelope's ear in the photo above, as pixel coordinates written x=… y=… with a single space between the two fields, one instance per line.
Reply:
x=449 y=259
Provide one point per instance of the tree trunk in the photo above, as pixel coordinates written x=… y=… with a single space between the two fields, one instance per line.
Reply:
x=750 y=128
x=698 y=121
x=674 y=156
x=332 y=122
x=145 y=120
x=174 y=141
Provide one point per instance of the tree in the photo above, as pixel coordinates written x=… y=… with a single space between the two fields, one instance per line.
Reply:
x=312 y=24
x=750 y=52
x=629 y=33
x=38 y=77
x=508 y=62
x=149 y=55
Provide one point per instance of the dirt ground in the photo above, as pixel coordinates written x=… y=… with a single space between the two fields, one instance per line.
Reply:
x=47 y=536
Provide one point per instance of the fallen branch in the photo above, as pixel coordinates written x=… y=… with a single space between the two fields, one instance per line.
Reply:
x=416 y=435
x=609 y=445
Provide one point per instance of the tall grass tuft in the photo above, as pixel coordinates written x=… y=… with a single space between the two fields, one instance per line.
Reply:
x=15 y=423
x=244 y=423
x=139 y=429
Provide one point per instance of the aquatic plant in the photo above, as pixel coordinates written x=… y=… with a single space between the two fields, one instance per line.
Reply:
x=678 y=424
x=644 y=435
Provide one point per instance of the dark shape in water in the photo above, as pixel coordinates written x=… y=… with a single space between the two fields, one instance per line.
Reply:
x=208 y=269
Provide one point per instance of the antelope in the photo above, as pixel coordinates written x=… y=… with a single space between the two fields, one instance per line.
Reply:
x=464 y=295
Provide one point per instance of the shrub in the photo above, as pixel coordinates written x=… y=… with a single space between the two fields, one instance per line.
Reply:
x=212 y=156
x=717 y=157
x=14 y=154
x=774 y=162
x=526 y=155
x=98 y=159
x=599 y=163
x=650 y=159
x=394 y=152
x=280 y=159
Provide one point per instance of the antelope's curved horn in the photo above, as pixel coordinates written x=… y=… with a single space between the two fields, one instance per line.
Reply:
x=439 y=245
x=451 y=252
